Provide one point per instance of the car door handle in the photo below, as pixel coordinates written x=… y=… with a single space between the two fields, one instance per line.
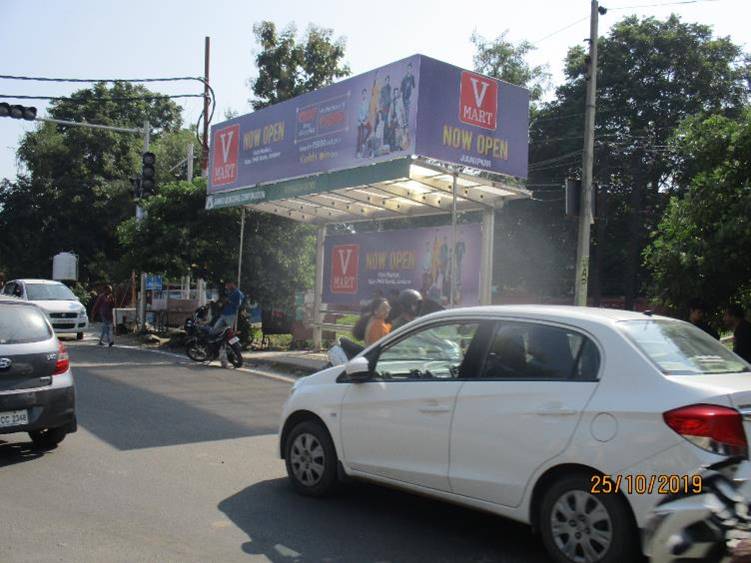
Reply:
x=435 y=409
x=556 y=410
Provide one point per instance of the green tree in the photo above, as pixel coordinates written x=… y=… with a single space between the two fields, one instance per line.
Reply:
x=504 y=60
x=700 y=247
x=179 y=235
x=652 y=74
x=288 y=66
x=73 y=189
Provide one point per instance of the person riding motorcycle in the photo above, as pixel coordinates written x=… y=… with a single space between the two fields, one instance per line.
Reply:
x=410 y=301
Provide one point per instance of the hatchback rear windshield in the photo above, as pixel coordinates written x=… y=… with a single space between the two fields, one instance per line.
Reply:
x=20 y=324
x=679 y=348
x=49 y=292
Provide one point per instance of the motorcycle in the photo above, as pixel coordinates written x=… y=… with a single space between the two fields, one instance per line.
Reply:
x=205 y=344
x=710 y=523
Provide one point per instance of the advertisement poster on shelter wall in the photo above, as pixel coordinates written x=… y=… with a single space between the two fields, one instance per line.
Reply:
x=358 y=121
x=362 y=266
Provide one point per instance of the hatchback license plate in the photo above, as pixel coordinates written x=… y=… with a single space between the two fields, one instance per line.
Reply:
x=234 y=340
x=14 y=418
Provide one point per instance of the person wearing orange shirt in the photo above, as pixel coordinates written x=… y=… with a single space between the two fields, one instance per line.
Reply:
x=377 y=326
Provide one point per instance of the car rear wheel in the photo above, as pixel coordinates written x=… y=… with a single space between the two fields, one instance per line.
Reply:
x=48 y=438
x=311 y=459
x=579 y=527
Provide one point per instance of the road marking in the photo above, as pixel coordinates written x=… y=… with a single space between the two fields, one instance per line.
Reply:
x=254 y=371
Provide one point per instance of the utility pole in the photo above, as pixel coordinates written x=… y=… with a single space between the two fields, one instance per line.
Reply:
x=585 y=208
x=205 y=153
x=139 y=217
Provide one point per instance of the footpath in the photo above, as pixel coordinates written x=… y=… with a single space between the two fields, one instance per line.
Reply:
x=295 y=363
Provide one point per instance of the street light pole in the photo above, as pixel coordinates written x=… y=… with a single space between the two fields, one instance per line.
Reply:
x=585 y=208
x=141 y=317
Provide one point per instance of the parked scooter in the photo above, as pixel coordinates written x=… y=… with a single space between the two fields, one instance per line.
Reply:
x=708 y=521
x=205 y=344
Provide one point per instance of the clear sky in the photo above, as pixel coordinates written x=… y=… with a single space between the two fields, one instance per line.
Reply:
x=154 y=38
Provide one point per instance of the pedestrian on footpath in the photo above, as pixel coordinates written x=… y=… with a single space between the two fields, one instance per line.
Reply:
x=697 y=311
x=735 y=320
x=103 y=307
x=233 y=300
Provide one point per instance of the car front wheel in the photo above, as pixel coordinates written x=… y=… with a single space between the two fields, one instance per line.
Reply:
x=579 y=527
x=311 y=459
x=48 y=438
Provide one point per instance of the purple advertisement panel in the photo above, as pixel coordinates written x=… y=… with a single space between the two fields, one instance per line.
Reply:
x=368 y=118
x=362 y=266
x=472 y=120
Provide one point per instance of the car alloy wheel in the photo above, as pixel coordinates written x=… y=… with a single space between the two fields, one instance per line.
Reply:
x=581 y=526
x=308 y=459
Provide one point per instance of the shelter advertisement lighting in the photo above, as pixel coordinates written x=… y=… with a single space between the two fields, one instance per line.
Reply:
x=414 y=107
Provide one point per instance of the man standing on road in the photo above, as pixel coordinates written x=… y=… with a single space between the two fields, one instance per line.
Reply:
x=233 y=300
x=735 y=320
x=697 y=311
x=103 y=306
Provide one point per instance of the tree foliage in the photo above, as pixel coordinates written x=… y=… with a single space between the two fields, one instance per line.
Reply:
x=700 y=247
x=73 y=188
x=652 y=74
x=288 y=66
x=504 y=60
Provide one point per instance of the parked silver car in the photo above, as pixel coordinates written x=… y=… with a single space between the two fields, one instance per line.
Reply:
x=37 y=394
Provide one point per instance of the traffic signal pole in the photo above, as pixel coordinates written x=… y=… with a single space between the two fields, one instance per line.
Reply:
x=585 y=209
x=146 y=132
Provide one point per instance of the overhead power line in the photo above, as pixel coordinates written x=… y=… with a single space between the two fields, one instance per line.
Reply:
x=659 y=4
x=109 y=99
x=549 y=35
x=49 y=79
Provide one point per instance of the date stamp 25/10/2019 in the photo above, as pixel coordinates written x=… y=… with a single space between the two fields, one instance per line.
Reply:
x=640 y=484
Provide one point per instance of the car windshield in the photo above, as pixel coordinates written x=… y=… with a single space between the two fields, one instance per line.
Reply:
x=679 y=348
x=49 y=292
x=20 y=324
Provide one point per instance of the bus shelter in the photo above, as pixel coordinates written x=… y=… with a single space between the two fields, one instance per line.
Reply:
x=415 y=138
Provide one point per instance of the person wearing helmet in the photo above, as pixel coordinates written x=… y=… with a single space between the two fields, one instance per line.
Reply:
x=410 y=302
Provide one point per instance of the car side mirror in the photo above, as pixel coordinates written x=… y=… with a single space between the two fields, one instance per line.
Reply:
x=358 y=370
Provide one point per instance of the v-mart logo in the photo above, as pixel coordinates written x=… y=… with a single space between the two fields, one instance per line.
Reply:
x=345 y=268
x=224 y=163
x=478 y=100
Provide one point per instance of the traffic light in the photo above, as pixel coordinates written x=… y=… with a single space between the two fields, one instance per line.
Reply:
x=148 y=174
x=18 y=112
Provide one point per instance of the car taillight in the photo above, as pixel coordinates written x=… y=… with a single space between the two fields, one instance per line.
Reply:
x=713 y=428
x=63 y=363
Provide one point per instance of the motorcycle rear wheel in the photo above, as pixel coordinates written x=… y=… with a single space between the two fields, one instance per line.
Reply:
x=234 y=355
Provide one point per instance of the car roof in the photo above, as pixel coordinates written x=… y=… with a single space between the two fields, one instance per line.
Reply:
x=556 y=313
x=32 y=280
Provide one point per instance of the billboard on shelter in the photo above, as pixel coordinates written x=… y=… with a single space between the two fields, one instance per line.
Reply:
x=416 y=106
x=357 y=266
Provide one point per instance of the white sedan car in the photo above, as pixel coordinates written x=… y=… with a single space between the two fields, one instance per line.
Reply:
x=574 y=420
x=65 y=312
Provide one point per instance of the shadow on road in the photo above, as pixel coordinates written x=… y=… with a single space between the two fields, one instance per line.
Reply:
x=17 y=452
x=370 y=524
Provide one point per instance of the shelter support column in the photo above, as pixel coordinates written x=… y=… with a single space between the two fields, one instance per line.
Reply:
x=486 y=256
x=318 y=302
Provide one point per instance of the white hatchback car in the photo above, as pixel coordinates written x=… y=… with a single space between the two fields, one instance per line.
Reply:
x=571 y=419
x=65 y=312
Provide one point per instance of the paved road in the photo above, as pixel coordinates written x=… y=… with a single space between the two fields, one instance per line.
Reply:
x=177 y=462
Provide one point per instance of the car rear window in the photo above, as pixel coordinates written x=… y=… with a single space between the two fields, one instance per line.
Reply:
x=20 y=324
x=679 y=348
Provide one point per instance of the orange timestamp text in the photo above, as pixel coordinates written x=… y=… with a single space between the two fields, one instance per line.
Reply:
x=640 y=484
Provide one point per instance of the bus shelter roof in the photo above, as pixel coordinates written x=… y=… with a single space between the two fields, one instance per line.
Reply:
x=397 y=189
